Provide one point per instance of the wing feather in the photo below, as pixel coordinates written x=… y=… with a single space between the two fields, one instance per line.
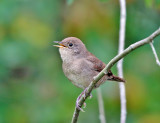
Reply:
x=98 y=65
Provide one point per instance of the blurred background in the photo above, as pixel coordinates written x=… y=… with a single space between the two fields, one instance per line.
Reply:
x=33 y=88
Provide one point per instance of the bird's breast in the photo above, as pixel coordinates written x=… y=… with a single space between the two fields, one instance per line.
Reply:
x=78 y=75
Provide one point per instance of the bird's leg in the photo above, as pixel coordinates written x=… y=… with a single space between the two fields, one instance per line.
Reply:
x=86 y=91
x=77 y=101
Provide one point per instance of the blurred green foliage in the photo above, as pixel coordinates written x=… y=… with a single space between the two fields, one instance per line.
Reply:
x=69 y=2
x=33 y=88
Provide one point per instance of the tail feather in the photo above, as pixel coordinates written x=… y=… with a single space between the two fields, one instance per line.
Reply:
x=112 y=77
x=116 y=78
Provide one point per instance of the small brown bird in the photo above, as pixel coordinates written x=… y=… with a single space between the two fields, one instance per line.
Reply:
x=79 y=65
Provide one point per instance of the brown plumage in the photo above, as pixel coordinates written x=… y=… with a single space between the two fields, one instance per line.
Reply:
x=80 y=66
x=99 y=66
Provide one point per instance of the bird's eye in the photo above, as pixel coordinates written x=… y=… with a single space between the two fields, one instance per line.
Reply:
x=70 y=44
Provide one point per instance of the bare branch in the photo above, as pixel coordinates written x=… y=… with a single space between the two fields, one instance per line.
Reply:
x=155 y=54
x=120 y=62
x=101 y=106
x=109 y=66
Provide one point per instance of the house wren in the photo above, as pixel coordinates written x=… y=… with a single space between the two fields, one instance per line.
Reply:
x=79 y=65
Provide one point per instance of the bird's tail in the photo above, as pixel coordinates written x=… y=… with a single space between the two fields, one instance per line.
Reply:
x=112 y=77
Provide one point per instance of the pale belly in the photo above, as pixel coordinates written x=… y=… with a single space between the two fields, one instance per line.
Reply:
x=81 y=81
x=80 y=77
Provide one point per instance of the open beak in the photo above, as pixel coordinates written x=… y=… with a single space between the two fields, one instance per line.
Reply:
x=60 y=44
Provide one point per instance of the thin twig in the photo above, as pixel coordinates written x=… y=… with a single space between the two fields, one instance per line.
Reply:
x=101 y=106
x=120 y=62
x=155 y=54
x=109 y=66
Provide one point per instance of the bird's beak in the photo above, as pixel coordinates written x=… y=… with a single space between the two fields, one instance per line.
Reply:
x=60 y=44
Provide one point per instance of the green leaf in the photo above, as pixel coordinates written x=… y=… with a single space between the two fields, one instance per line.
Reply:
x=69 y=2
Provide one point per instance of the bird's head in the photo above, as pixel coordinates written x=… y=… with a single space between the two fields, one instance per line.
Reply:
x=71 y=48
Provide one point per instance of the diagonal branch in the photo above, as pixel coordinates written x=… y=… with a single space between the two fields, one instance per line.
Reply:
x=155 y=54
x=120 y=62
x=109 y=66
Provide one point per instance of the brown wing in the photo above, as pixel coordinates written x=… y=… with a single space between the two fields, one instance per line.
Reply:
x=98 y=65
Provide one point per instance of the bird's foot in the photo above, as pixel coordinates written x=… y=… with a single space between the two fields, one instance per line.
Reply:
x=86 y=91
x=78 y=106
x=77 y=101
